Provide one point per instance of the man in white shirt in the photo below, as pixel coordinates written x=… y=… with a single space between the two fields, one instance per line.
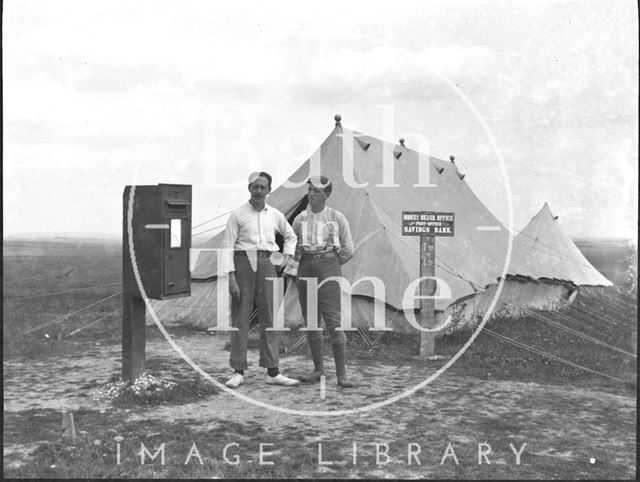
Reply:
x=251 y=232
x=324 y=244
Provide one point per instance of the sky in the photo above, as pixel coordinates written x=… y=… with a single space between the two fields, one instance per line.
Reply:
x=539 y=99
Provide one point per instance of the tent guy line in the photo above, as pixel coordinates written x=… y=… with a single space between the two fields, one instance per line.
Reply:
x=72 y=290
x=62 y=318
x=207 y=230
x=544 y=319
x=547 y=355
x=42 y=277
x=448 y=269
x=95 y=322
x=209 y=220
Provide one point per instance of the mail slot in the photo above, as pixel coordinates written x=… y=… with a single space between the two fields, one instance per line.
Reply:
x=160 y=240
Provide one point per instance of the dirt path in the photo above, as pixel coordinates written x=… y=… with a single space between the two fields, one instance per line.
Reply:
x=555 y=422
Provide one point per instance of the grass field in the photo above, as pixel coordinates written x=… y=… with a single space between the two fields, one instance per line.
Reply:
x=35 y=270
x=496 y=392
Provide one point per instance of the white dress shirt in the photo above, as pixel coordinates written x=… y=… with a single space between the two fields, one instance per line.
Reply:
x=249 y=229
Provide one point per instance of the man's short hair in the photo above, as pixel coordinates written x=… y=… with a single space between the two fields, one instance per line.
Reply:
x=255 y=175
x=321 y=182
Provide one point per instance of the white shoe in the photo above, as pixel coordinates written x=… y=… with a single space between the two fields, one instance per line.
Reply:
x=235 y=380
x=280 y=379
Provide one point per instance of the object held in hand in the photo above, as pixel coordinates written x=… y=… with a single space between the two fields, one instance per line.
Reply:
x=276 y=258
x=292 y=268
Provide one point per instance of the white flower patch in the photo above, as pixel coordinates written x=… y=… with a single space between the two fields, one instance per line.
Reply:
x=142 y=388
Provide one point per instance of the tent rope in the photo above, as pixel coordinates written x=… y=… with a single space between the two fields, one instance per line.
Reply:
x=378 y=338
x=589 y=314
x=621 y=306
x=547 y=355
x=364 y=336
x=209 y=220
x=42 y=277
x=94 y=322
x=62 y=318
x=207 y=230
x=625 y=297
x=618 y=307
x=473 y=285
x=382 y=333
x=554 y=252
x=598 y=319
x=60 y=292
x=570 y=319
x=298 y=343
x=575 y=332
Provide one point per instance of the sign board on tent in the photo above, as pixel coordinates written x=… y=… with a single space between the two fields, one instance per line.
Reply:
x=427 y=223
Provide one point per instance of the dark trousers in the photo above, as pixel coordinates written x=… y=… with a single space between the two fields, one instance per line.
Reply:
x=328 y=294
x=253 y=287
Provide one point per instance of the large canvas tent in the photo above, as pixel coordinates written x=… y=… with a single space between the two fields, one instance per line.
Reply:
x=469 y=263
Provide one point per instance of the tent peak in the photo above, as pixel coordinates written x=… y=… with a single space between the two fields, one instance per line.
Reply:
x=551 y=253
x=547 y=210
x=338 y=118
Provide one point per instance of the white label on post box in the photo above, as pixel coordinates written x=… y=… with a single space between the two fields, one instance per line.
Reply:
x=176 y=233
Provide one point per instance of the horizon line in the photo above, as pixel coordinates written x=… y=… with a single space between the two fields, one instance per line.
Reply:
x=99 y=235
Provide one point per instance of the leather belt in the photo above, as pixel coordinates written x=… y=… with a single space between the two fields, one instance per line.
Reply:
x=261 y=253
x=323 y=254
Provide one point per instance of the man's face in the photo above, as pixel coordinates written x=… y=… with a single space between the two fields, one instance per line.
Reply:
x=259 y=189
x=317 y=196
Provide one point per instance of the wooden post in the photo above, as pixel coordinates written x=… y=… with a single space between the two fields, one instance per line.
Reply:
x=133 y=337
x=68 y=426
x=427 y=288
x=133 y=307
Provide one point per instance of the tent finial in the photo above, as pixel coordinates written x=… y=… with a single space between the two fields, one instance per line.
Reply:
x=338 y=118
x=452 y=159
x=401 y=141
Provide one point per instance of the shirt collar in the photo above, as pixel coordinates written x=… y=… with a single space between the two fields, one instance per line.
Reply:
x=309 y=211
x=266 y=206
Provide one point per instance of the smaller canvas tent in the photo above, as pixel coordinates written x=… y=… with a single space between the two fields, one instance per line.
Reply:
x=547 y=270
x=545 y=251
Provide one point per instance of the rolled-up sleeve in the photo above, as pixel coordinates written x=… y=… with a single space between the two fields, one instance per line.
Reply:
x=290 y=238
x=296 y=229
x=228 y=244
x=346 y=251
